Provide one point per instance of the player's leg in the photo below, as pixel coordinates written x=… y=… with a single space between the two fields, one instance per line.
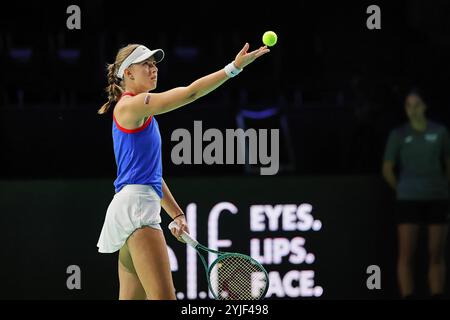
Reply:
x=148 y=250
x=407 y=243
x=130 y=285
x=437 y=235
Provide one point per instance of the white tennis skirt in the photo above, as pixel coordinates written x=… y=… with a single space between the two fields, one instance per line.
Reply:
x=133 y=207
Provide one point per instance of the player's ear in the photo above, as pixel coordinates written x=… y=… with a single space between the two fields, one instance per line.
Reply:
x=128 y=74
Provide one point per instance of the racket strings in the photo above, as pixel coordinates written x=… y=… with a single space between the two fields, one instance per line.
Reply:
x=238 y=278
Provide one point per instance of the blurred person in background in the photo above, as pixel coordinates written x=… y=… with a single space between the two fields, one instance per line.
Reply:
x=419 y=152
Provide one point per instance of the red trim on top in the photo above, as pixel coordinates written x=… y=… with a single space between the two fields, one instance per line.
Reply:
x=145 y=125
x=127 y=94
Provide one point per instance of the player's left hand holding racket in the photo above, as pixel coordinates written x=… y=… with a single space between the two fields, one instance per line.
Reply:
x=232 y=276
x=181 y=227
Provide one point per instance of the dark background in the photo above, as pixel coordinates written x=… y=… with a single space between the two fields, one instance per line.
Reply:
x=353 y=236
x=339 y=86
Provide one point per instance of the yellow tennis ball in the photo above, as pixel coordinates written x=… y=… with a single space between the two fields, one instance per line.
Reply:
x=269 y=38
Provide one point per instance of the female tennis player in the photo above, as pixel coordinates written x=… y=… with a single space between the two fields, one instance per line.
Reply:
x=132 y=220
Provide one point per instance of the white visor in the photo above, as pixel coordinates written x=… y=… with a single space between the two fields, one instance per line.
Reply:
x=139 y=54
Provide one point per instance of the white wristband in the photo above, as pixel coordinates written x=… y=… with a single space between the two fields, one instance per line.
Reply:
x=231 y=70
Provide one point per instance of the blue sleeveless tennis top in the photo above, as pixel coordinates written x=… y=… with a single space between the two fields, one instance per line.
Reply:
x=138 y=154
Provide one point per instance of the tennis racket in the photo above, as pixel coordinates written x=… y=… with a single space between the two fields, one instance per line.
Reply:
x=231 y=276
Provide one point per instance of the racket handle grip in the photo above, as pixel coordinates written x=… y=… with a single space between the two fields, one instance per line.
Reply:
x=185 y=236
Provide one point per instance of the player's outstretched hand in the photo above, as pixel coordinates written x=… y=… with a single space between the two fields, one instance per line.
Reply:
x=244 y=58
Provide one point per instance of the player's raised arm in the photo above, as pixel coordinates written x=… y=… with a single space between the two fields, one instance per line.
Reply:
x=147 y=104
